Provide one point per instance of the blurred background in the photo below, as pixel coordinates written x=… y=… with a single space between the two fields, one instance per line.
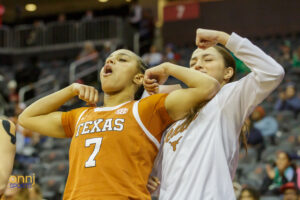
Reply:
x=47 y=45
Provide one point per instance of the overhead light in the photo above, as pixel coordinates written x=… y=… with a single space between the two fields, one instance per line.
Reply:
x=128 y=0
x=103 y=1
x=30 y=7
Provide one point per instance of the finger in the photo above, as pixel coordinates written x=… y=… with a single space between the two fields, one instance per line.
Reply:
x=153 y=85
x=150 y=81
x=156 y=180
x=92 y=95
x=152 y=74
x=197 y=36
x=154 y=89
x=151 y=188
x=151 y=90
x=81 y=92
x=96 y=98
x=152 y=182
x=86 y=94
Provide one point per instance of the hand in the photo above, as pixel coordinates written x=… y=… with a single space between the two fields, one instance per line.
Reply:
x=153 y=184
x=86 y=93
x=155 y=76
x=207 y=38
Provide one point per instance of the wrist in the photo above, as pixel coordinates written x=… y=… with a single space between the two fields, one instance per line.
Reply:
x=223 y=38
x=166 y=67
x=70 y=90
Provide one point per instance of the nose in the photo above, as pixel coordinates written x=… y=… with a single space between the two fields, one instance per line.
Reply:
x=198 y=67
x=110 y=61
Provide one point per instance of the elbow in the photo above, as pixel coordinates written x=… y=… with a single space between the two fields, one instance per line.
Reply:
x=279 y=72
x=22 y=120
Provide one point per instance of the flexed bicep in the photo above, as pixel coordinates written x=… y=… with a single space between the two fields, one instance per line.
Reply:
x=48 y=124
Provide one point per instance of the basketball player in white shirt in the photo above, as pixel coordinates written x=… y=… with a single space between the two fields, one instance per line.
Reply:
x=199 y=156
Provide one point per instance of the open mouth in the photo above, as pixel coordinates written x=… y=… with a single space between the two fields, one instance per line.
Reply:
x=107 y=70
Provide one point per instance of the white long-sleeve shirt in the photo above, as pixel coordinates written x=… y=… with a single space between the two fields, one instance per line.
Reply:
x=200 y=162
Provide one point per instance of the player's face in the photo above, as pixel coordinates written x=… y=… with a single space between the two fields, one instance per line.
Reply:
x=209 y=61
x=119 y=71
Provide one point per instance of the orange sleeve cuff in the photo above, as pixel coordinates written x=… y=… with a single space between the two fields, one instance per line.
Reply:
x=66 y=124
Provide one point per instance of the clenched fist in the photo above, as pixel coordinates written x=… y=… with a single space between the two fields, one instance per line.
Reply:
x=86 y=93
x=207 y=38
x=155 y=76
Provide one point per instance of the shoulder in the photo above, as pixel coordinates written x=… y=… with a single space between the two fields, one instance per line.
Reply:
x=237 y=84
x=78 y=110
x=235 y=88
x=154 y=97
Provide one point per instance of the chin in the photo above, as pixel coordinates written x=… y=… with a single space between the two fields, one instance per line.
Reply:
x=109 y=89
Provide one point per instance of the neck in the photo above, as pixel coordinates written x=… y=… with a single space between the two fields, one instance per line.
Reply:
x=114 y=99
x=223 y=83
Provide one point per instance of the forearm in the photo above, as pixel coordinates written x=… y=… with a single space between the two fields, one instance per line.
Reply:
x=49 y=103
x=192 y=78
x=264 y=67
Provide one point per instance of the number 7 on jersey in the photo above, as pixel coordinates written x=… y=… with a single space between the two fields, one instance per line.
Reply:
x=97 y=141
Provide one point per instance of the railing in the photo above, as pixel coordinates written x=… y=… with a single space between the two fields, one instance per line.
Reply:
x=3 y=105
x=4 y=36
x=28 y=36
x=75 y=75
x=42 y=87
x=57 y=33
x=136 y=43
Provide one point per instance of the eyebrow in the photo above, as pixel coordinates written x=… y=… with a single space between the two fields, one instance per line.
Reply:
x=120 y=54
x=203 y=56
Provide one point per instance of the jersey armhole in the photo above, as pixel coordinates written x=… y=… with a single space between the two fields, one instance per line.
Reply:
x=136 y=115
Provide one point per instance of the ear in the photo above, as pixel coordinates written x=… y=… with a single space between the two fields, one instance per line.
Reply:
x=229 y=71
x=138 y=79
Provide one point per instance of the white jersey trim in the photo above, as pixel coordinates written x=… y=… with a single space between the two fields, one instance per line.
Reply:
x=80 y=117
x=136 y=115
x=109 y=108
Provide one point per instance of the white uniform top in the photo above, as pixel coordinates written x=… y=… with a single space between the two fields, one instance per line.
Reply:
x=200 y=162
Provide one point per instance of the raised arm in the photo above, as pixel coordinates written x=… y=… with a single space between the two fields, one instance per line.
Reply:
x=42 y=116
x=7 y=152
x=251 y=90
x=179 y=103
x=264 y=67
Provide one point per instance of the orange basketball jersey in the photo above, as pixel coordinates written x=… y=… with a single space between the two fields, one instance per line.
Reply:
x=113 y=149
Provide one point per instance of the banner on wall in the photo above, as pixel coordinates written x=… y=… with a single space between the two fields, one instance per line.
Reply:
x=181 y=11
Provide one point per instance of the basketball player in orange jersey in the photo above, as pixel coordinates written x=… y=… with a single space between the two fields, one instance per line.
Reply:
x=7 y=152
x=113 y=147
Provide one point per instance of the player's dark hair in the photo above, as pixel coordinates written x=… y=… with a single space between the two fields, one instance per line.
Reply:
x=142 y=68
x=230 y=62
x=227 y=58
